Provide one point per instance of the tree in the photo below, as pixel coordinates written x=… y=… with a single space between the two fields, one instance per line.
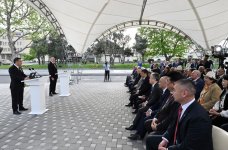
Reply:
x=164 y=43
x=57 y=48
x=123 y=42
x=28 y=57
x=18 y=21
x=39 y=49
x=140 y=45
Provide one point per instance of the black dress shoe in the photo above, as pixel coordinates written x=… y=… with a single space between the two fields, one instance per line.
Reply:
x=55 y=93
x=135 y=112
x=128 y=105
x=23 y=109
x=50 y=94
x=16 y=112
x=135 y=137
x=132 y=127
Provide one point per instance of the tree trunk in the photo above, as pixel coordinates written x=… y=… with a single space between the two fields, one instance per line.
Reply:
x=124 y=59
x=38 y=60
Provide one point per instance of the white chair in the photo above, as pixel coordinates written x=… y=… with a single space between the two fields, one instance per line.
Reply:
x=220 y=138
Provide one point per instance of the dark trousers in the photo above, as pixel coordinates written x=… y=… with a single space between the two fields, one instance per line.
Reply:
x=225 y=127
x=128 y=79
x=218 y=121
x=141 y=127
x=152 y=141
x=17 y=97
x=132 y=98
x=139 y=115
x=52 y=86
x=107 y=74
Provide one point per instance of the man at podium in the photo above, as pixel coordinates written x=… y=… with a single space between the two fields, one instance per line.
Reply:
x=52 y=69
x=16 y=86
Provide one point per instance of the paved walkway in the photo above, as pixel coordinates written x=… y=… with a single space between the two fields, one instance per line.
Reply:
x=93 y=117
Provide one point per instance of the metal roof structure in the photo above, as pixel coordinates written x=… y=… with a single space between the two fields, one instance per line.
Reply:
x=84 y=21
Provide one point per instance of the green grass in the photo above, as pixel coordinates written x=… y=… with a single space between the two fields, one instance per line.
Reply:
x=84 y=66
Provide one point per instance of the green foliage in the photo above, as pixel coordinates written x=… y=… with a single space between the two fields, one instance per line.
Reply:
x=128 y=52
x=28 y=57
x=140 y=45
x=16 y=16
x=113 y=45
x=165 y=43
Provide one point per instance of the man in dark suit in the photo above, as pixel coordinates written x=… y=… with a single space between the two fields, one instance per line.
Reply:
x=142 y=89
x=52 y=69
x=192 y=127
x=16 y=86
x=154 y=96
x=167 y=111
x=199 y=83
x=140 y=129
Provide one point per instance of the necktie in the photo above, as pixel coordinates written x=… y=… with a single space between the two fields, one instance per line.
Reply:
x=178 y=119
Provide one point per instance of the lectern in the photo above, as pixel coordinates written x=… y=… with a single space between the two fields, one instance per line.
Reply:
x=37 y=95
x=64 y=83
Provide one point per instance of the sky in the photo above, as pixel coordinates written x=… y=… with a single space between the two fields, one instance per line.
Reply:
x=131 y=32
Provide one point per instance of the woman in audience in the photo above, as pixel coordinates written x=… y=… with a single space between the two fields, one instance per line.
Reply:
x=219 y=112
x=211 y=91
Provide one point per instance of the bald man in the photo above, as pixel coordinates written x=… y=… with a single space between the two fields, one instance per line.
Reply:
x=199 y=82
x=52 y=69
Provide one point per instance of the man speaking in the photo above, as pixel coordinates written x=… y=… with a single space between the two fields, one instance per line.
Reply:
x=52 y=69
x=16 y=86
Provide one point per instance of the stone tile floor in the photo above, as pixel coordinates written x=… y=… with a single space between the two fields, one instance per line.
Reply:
x=92 y=118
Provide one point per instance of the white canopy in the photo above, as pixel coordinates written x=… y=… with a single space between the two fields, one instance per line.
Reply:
x=82 y=21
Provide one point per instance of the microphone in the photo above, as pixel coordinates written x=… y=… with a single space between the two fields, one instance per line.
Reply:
x=32 y=70
x=36 y=73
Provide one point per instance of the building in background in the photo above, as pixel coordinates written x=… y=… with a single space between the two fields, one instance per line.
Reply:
x=20 y=45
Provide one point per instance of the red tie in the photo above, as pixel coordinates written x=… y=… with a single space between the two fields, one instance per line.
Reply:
x=178 y=119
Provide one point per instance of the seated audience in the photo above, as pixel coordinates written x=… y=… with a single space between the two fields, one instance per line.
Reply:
x=143 y=87
x=219 y=112
x=156 y=69
x=140 y=128
x=165 y=71
x=192 y=127
x=131 y=77
x=211 y=91
x=153 y=98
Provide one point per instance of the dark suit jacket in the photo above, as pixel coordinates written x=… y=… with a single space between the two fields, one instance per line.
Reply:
x=16 y=76
x=199 y=87
x=155 y=95
x=161 y=102
x=194 y=130
x=166 y=114
x=52 y=70
x=145 y=87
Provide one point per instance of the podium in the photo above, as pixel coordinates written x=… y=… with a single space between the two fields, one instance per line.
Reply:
x=64 y=83
x=37 y=95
